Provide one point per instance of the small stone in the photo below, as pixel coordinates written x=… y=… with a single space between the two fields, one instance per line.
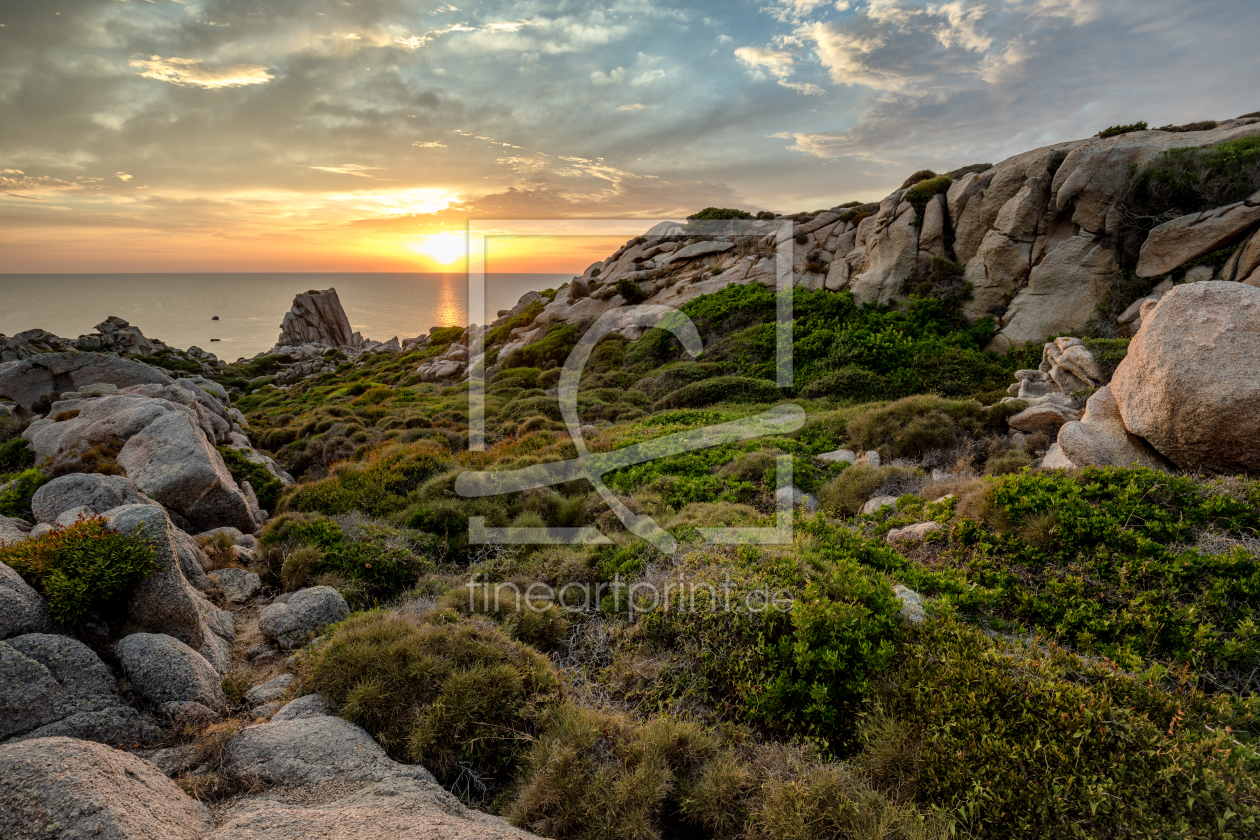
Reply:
x=308 y=611
x=911 y=604
x=878 y=503
x=269 y=691
x=847 y=456
x=237 y=585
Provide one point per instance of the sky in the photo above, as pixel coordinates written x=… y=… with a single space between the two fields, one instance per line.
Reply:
x=363 y=135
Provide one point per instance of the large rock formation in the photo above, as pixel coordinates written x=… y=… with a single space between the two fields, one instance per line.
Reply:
x=1189 y=384
x=65 y=788
x=55 y=685
x=164 y=437
x=37 y=381
x=316 y=318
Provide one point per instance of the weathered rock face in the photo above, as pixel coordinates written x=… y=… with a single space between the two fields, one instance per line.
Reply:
x=1175 y=243
x=395 y=800
x=163 y=669
x=294 y=623
x=13 y=530
x=55 y=685
x=22 y=610
x=316 y=318
x=36 y=381
x=1100 y=439
x=173 y=462
x=166 y=447
x=98 y=493
x=237 y=585
x=1188 y=385
x=165 y=602
x=65 y=788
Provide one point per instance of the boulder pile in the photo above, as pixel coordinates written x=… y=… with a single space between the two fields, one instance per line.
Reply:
x=1186 y=396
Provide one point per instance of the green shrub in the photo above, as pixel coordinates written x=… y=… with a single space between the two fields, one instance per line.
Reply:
x=1033 y=742
x=1095 y=559
x=917 y=425
x=1117 y=130
x=924 y=191
x=377 y=486
x=441 y=694
x=549 y=351
x=379 y=560
x=265 y=485
x=630 y=291
x=719 y=214
x=799 y=666
x=16 y=455
x=921 y=175
x=598 y=775
x=81 y=568
x=850 y=382
x=16 y=493
x=719 y=389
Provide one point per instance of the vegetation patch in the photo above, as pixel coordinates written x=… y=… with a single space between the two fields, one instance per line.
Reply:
x=82 y=568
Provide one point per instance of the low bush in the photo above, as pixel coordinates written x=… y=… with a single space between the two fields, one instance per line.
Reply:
x=377 y=486
x=378 y=560
x=1098 y=560
x=805 y=635
x=924 y=191
x=719 y=214
x=265 y=485
x=845 y=495
x=719 y=389
x=921 y=175
x=444 y=695
x=850 y=382
x=1034 y=742
x=82 y=568
x=916 y=425
x=1117 y=130
x=630 y=291
x=17 y=491
x=16 y=455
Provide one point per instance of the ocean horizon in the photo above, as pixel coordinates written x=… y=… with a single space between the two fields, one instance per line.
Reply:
x=178 y=308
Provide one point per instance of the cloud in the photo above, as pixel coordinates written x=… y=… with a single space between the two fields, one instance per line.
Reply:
x=613 y=76
x=348 y=169
x=122 y=176
x=803 y=87
x=196 y=73
x=432 y=144
x=777 y=62
x=637 y=106
x=649 y=77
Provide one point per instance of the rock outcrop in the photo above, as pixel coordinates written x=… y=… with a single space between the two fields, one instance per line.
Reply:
x=163 y=670
x=56 y=685
x=21 y=608
x=1189 y=383
x=163 y=437
x=39 y=380
x=316 y=318
x=165 y=602
x=66 y=788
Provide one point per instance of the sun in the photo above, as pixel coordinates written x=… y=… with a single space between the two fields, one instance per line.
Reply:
x=445 y=248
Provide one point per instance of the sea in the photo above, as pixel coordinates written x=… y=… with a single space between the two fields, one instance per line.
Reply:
x=179 y=309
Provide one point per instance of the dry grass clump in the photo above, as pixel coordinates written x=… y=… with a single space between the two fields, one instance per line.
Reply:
x=220 y=550
x=209 y=775
x=845 y=495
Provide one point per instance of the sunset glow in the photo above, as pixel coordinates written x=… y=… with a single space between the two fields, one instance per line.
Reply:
x=446 y=248
x=328 y=136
